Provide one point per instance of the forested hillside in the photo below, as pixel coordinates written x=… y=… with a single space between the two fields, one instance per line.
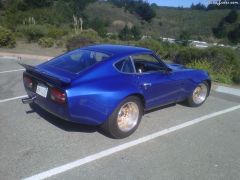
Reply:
x=109 y=17
x=169 y=22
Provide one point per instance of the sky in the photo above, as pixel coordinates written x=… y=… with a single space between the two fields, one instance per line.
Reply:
x=177 y=3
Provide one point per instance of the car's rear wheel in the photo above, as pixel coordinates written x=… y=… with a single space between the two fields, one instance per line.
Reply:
x=125 y=118
x=199 y=95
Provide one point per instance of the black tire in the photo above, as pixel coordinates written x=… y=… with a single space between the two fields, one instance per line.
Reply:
x=111 y=126
x=190 y=100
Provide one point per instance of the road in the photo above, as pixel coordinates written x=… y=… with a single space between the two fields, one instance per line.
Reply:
x=174 y=142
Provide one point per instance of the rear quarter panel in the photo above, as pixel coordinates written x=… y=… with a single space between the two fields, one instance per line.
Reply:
x=93 y=97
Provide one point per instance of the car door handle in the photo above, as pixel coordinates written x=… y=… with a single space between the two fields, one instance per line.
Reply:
x=147 y=84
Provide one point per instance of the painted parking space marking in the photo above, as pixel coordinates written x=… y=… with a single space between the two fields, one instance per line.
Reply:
x=110 y=151
x=9 y=57
x=11 y=99
x=14 y=70
x=228 y=90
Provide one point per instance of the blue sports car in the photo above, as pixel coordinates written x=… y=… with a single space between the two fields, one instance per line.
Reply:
x=111 y=86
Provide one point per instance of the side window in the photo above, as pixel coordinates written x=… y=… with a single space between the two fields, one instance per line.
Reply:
x=125 y=66
x=147 y=63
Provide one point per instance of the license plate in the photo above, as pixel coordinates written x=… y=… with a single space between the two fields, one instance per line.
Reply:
x=42 y=90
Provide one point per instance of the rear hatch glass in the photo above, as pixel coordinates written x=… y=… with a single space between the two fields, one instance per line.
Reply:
x=77 y=61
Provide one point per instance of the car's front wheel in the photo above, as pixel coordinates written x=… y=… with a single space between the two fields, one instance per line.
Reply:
x=199 y=95
x=125 y=118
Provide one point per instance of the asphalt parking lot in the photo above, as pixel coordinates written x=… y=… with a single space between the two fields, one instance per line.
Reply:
x=174 y=142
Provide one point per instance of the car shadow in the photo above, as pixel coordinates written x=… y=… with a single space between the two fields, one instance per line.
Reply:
x=60 y=123
x=75 y=127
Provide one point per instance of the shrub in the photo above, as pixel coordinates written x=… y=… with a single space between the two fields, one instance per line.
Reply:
x=224 y=76
x=187 y=55
x=165 y=50
x=33 y=32
x=112 y=36
x=46 y=42
x=184 y=37
x=77 y=42
x=225 y=62
x=152 y=44
x=59 y=43
x=236 y=77
x=201 y=64
x=99 y=25
x=136 y=33
x=7 y=38
x=84 y=38
x=56 y=32
x=91 y=34
x=127 y=34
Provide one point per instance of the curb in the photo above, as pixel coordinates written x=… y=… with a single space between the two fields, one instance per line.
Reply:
x=228 y=90
x=17 y=56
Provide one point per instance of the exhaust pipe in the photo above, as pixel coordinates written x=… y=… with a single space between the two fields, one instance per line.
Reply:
x=28 y=100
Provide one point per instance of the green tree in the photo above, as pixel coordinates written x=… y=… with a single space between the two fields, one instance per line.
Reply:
x=62 y=12
x=154 y=5
x=1 y=4
x=79 y=5
x=220 y=32
x=198 y=6
x=125 y=34
x=136 y=33
x=184 y=37
x=234 y=35
x=38 y=3
x=99 y=25
x=145 y=11
x=232 y=17
x=140 y=7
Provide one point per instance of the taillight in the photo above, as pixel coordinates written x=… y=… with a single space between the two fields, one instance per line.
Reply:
x=58 y=96
x=28 y=82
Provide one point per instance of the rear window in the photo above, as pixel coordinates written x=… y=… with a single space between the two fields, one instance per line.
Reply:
x=78 y=60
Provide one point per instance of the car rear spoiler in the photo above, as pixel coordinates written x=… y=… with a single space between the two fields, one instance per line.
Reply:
x=62 y=81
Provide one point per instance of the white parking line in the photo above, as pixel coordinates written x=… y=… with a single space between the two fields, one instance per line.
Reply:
x=9 y=57
x=108 y=152
x=14 y=98
x=228 y=90
x=14 y=70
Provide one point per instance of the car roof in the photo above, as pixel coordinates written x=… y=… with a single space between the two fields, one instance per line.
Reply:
x=117 y=49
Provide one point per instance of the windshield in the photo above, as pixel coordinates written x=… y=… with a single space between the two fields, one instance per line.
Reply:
x=78 y=60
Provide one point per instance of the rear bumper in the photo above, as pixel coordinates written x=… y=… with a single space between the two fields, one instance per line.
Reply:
x=61 y=111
